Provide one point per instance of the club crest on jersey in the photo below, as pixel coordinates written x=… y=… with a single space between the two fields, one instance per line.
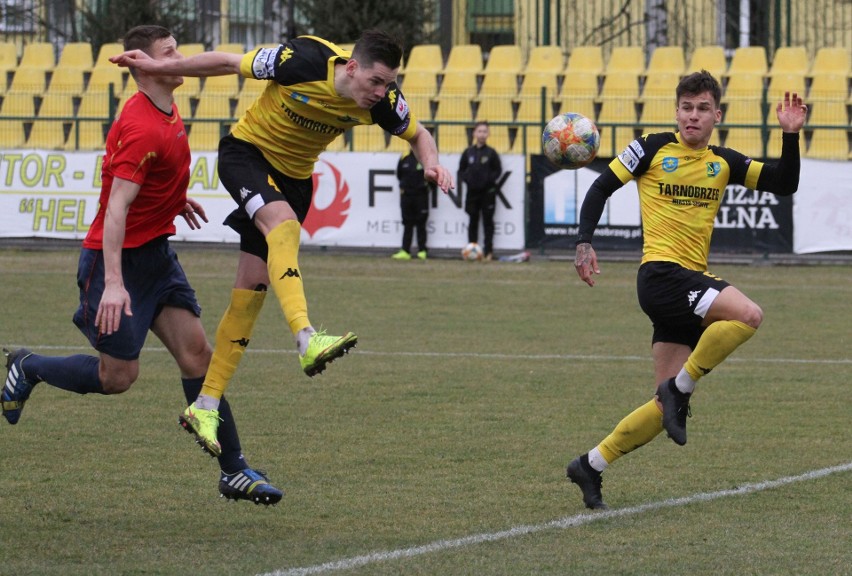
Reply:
x=713 y=169
x=669 y=164
x=300 y=97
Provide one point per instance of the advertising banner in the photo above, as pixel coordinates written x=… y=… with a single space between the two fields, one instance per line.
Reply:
x=49 y=194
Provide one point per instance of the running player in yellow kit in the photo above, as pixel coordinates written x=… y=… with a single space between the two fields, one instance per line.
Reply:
x=698 y=318
x=315 y=92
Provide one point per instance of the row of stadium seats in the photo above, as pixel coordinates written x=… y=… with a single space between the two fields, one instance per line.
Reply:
x=627 y=59
x=78 y=55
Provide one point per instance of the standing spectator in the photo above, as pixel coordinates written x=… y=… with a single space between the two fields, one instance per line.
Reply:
x=479 y=169
x=414 y=202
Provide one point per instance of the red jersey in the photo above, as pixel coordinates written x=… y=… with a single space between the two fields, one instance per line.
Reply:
x=148 y=147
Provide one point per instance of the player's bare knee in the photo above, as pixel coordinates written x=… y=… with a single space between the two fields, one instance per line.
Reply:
x=117 y=383
x=752 y=316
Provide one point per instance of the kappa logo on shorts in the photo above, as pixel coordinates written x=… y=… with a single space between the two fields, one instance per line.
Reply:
x=693 y=294
x=244 y=192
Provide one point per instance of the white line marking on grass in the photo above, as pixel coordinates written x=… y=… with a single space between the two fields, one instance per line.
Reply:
x=490 y=355
x=560 y=524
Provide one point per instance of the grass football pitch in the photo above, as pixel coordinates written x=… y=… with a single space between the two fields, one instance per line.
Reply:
x=439 y=445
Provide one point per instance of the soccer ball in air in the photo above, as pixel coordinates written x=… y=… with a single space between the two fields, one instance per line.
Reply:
x=570 y=140
x=472 y=252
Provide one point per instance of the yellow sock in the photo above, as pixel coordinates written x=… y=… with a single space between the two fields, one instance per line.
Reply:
x=284 y=274
x=635 y=430
x=716 y=343
x=232 y=337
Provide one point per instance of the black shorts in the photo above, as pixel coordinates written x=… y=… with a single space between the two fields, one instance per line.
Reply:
x=152 y=276
x=414 y=207
x=676 y=300
x=246 y=175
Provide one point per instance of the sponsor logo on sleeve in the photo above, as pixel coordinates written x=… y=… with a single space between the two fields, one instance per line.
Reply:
x=631 y=155
x=263 y=66
x=401 y=108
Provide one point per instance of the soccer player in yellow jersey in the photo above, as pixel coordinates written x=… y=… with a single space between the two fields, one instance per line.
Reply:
x=698 y=318
x=315 y=92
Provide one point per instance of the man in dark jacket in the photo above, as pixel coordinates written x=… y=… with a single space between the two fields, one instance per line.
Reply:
x=414 y=202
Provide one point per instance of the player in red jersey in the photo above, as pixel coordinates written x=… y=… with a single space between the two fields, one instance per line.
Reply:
x=129 y=277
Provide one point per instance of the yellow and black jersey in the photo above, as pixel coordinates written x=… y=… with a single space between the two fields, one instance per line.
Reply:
x=681 y=190
x=299 y=113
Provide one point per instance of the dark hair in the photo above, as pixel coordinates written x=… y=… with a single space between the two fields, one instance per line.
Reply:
x=697 y=83
x=479 y=123
x=142 y=37
x=377 y=46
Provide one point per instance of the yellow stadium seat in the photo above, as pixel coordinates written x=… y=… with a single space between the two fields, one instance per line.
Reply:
x=205 y=136
x=420 y=106
x=502 y=84
x=103 y=77
x=213 y=106
x=626 y=60
x=66 y=81
x=226 y=86
x=585 y=59
x=827 y=99
x=39 y=55
x=456 y=109
x=425 y=57
x=47 y=135
x=744 y=85
x=92 y=119
x=8 y=58
x=495 y=110
x=620 y=85
x=369 y=139
x=104 y=53
x=710 y=58
x=230 y=47
x=781 y=82
x=667 y=59
x=76 y=55
x=579 y=93
x=832 y=60
x=28 y=80
x=191 y=86
x=749 y=60
x=56 y=105
x=187 y=50
x=184 y=104
x=789 y=60
x=20 y=106
x=419 y=83
x=458 y=83
x=829 y=144
x=748 y=141
x=398 y=145
x=660 y=85
x=658 y=113
x=545 y=59
x=745 y=110
x=505 y=58
x=534 y=81
x=465 y=58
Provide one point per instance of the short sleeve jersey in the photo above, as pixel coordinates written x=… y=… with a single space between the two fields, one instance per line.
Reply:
x=299 y=113
x=148 y=147
x=680 y=192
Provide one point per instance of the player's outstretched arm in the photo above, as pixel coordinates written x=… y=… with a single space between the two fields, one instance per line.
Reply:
x=586 y=263
x=426 y=152
x=791 y=112
x=202 y=65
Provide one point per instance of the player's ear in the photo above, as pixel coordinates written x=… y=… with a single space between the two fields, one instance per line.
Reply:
x=351 y=66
